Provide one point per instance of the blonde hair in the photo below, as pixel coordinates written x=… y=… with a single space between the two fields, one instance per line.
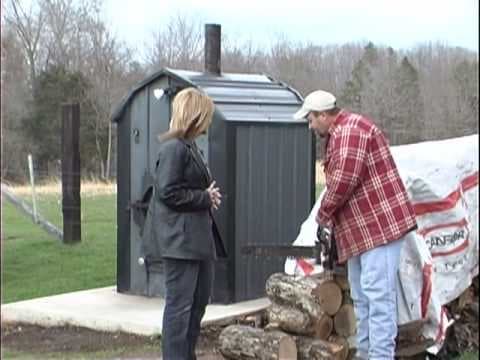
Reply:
x=192 y=112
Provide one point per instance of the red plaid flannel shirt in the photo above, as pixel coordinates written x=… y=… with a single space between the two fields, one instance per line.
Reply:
x=365 y=200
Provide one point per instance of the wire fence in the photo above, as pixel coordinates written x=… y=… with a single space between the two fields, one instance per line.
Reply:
x=45 y=194
x=34 y=262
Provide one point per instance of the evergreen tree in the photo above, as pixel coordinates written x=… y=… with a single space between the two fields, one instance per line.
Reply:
x=43 y=127
x=409 y=119
x=354 y=92
x=465 y=80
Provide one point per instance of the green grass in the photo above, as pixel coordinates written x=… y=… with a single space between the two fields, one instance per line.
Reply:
x=468 y=356
x=36 y=264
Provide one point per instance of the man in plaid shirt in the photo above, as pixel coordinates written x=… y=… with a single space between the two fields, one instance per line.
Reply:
x=367 y=207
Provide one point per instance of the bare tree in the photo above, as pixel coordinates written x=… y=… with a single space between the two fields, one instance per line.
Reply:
x=179 y=45
x=28 y=24
x=67 y=28
x=242 y=57
x=15 y=98
x=108 y=61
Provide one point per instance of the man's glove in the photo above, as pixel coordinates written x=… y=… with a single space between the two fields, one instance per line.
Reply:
x=327 y=246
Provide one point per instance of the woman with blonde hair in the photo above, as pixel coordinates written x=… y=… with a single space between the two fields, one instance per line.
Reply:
x=184 y=227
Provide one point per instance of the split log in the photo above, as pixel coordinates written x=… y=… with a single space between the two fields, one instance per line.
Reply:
x=244 y=342
x=315 y=296
x=316 y=349
x=344 y=321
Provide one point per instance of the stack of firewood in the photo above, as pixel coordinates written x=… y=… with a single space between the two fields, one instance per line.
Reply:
x=309 y=318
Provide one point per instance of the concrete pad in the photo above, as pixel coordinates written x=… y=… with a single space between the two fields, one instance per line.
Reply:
x=106 y=310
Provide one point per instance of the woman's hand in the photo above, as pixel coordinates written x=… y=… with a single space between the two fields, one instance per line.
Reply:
x=215 y=196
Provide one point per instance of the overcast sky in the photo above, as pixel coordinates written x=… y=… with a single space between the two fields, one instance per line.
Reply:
x=398 y=23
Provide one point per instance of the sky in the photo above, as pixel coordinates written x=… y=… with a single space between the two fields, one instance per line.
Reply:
x=401 y=24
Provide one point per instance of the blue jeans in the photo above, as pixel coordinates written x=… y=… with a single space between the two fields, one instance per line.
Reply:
x=373 y=287
x=188 y=285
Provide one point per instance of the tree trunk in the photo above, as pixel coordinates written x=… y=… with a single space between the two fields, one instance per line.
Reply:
x=344 y=321
x=316 y=349
x=244 y=342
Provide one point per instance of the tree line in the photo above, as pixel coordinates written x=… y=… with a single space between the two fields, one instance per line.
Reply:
x=60 y=51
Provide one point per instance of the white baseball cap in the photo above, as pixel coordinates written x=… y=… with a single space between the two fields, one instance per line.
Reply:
x=316 y=101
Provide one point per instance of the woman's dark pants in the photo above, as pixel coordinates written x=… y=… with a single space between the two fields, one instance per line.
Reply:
x=188 y=286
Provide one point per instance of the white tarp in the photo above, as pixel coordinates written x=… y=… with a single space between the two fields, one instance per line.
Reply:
x=441 y=178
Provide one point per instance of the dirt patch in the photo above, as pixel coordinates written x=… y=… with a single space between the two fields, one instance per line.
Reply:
x=34 y=339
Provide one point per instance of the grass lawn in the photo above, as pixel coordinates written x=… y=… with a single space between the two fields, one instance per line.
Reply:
x=468 y=356
x=34 y=264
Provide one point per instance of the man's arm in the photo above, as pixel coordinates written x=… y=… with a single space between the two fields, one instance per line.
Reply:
x=344 y=172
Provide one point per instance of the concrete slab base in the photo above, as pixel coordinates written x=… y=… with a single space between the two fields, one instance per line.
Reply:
x=105 y=309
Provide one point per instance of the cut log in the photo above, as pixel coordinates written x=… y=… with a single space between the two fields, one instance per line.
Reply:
x=342 y=282
x=328 y=295
x=296 y=321
x=294 y=291
x=340 y=340
x=313 y=295
x=290 y=319
x=466 y=298
x=411 y=349
x=244 y=342
x=344 y=321
x=411 y=330
x=323 y=327
x=316 y=349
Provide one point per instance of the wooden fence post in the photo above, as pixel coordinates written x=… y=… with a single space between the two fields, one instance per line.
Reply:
x=71 y=173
